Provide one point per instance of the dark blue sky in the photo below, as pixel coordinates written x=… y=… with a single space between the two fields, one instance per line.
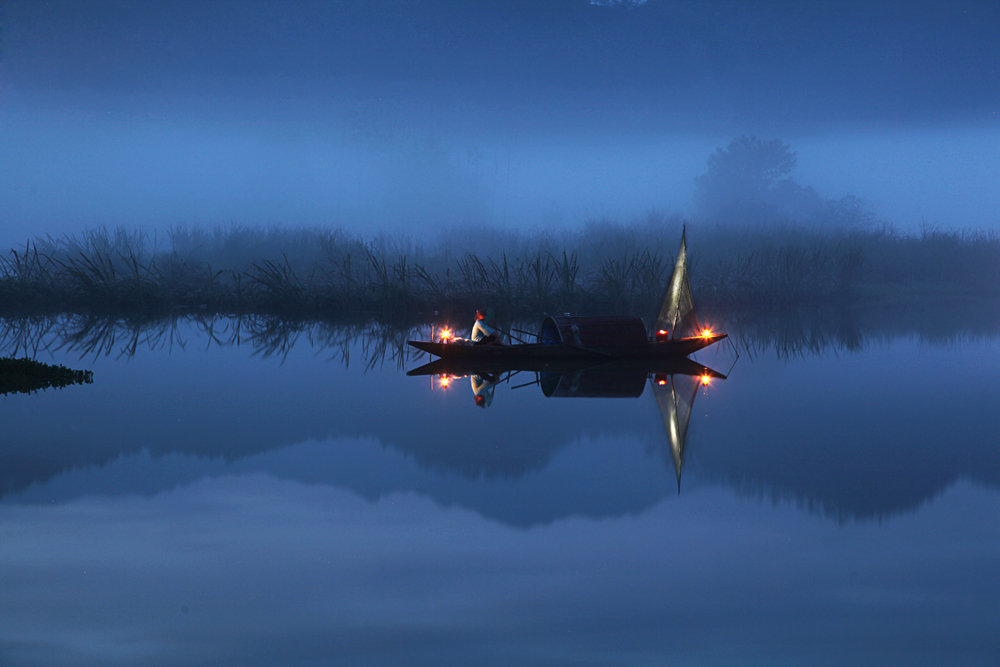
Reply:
x=391 y=115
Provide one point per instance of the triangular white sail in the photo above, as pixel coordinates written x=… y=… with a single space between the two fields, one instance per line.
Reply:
x=677 y=313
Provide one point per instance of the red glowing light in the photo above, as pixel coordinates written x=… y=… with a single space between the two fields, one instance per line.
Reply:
x=661 y=382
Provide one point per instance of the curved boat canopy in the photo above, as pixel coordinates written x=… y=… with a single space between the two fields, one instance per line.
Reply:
x=613 y=331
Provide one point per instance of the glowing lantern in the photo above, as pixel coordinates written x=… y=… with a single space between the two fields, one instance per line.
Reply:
x=446 y=335
x=706 y=333
x=705 y=379
x=444 y=381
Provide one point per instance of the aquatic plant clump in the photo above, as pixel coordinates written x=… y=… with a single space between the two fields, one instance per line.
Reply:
x=25 y=376
x=605 y=267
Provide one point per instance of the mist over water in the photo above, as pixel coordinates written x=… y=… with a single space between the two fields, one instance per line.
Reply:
x=68 y=171
x=404 y=118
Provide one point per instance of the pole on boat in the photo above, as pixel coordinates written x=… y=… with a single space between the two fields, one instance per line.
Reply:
x=526 y=333
x=509 y=334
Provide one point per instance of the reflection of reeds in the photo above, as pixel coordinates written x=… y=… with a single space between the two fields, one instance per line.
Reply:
x=322 y=274
x=86 y=336
x=755 y=332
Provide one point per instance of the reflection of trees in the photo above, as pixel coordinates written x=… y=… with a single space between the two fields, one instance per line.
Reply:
x=93 y=337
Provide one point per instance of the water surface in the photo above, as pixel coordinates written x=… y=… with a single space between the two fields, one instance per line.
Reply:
x=207 y=502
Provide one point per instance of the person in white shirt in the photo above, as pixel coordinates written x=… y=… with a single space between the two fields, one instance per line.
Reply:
x=483 y=331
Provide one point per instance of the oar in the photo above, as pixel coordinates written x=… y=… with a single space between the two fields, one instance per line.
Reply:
x=510 y=334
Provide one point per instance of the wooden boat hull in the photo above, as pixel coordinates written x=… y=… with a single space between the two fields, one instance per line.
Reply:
x=528 y=352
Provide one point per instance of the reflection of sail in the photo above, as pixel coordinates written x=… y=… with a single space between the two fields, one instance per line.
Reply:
x=674 y=381
x=677 y=313
x=675 y=400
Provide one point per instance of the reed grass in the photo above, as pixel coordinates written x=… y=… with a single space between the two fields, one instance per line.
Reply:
x=605 y=267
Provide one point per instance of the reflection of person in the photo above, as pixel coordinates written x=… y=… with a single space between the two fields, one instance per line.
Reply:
x=484 y=331
x=482 y=388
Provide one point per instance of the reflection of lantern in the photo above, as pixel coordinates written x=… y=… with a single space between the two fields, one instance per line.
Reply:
x=662 y=335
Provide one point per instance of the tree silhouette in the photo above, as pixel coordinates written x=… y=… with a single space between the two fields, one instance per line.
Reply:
x=747 y=182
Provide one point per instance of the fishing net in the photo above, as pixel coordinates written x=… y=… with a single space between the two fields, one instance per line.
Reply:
x=677 y=313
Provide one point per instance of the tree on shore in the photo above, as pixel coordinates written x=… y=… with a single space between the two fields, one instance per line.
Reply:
x=748 y=182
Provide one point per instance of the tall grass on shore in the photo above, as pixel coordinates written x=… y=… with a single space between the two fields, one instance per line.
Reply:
x=604 y=267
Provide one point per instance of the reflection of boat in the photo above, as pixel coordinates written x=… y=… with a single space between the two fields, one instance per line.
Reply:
x=674 y=382
x=641 y=367
x=676 y=334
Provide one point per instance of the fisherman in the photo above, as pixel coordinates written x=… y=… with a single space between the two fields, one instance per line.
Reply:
x=482 y=388
x=484 y=332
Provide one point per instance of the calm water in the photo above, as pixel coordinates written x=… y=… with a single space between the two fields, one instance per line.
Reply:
x=213 y=504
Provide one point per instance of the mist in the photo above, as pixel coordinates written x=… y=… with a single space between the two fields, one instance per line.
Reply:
x=408 y=119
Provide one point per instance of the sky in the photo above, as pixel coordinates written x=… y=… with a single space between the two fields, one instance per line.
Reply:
x=400 y=117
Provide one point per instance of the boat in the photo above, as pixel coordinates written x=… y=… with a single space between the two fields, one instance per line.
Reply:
x=676 y=334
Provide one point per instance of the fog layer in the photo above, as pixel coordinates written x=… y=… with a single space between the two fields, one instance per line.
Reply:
x=395 y=116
